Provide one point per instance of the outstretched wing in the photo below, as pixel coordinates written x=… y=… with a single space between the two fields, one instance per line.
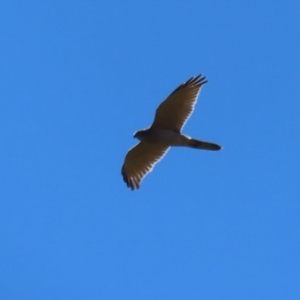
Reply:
x=139 y=161
x=174 y=111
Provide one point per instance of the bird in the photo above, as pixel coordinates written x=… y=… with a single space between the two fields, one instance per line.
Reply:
x=165 y=132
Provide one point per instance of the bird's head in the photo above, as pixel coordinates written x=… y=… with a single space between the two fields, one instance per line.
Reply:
x=140 y=135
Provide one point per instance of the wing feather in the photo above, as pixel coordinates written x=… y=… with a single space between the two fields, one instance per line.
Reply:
x=174 y=111
x=140 y=160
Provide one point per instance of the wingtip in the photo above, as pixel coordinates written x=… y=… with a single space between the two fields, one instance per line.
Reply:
x=197 y=80
x=131 y=182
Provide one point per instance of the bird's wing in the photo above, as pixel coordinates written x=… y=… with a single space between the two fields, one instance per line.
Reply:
x=174 y=111
x=139 y=161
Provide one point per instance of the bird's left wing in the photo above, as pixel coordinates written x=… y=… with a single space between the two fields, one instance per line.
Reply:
x=140 y=160
x=174 y=111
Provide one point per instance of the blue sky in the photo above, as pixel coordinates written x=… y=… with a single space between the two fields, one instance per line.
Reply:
x=78 y=78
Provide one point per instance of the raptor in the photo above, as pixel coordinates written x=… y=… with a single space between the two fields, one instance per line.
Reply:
x=165 y=132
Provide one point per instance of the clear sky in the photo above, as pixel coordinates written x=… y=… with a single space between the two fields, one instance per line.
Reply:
x=77 y=79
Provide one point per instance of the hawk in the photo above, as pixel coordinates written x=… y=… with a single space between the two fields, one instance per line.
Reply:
x=164 y=132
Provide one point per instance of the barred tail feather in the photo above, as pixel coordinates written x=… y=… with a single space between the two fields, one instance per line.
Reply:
x=203 y=145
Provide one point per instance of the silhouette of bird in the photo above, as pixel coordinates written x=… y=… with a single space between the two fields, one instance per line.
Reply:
x=165 y=131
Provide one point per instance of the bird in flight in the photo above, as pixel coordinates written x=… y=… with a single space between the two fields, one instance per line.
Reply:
x=165 y=131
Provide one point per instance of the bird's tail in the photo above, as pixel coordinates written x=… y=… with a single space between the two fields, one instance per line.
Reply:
x=203 y=145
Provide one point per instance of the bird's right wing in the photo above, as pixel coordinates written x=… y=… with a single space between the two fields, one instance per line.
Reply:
x=174 y=111
x=139 y=161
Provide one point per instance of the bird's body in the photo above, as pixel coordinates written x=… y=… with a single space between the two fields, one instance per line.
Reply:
x=161 y=136
x=165 y=132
